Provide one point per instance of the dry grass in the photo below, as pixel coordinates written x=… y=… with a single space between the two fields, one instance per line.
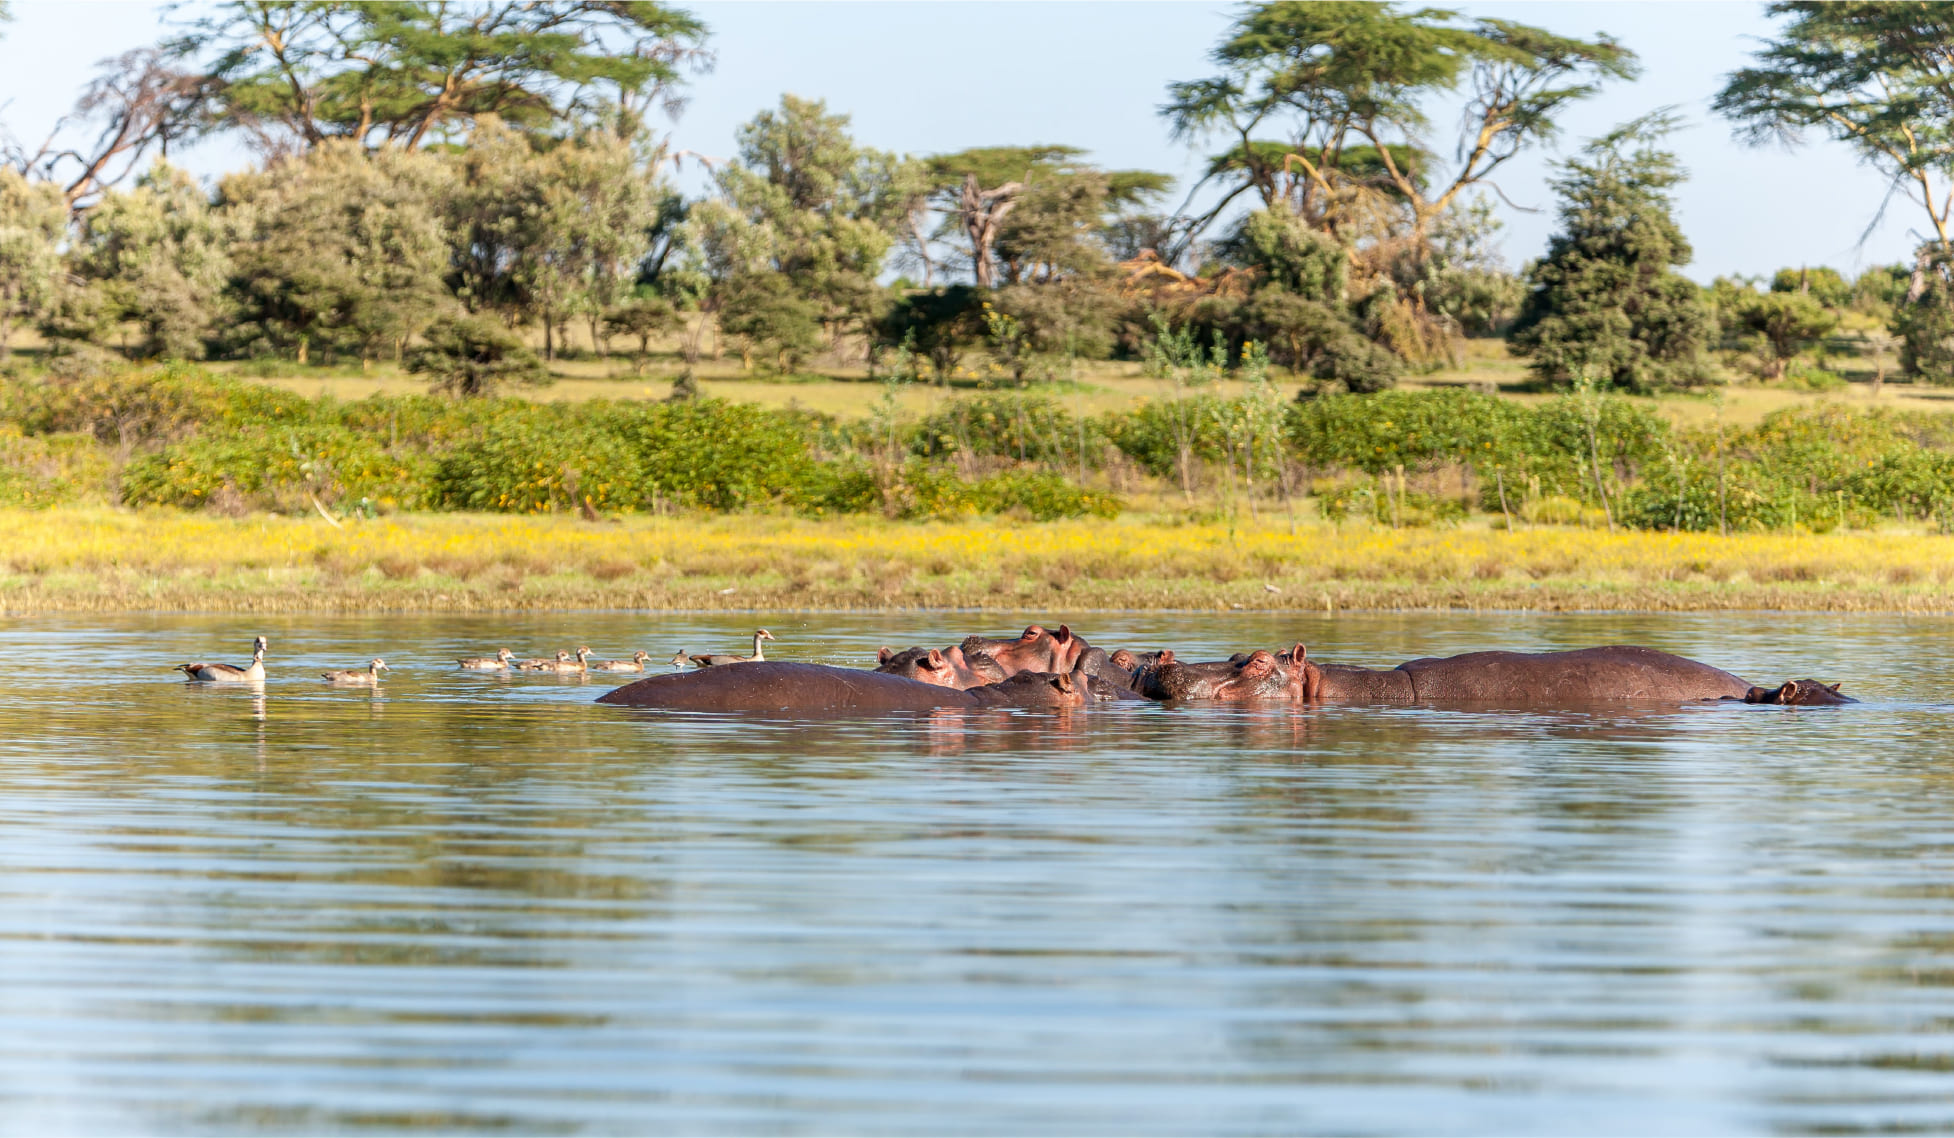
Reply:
x=104 y=560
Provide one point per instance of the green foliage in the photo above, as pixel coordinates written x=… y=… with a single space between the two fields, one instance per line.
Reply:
x=1871 y=74
x=712 y=454
x=33 y=222
x=471 y=355
x=1604 y=303
x=401 y=74
x=1926 y=324
x=1781 y=324
x=770 y=318
x=156 y=256
x=542 y=460
x=281 y=468
x=1289 y=254
x=1823 y=285
x=339 y=251
x=940 y=325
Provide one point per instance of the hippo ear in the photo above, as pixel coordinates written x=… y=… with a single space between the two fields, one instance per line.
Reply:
x=1788 y=692
x=1166 y=656
x=882 y=655
x=1834 y=687
x=1064 y=633
x=1063 y=682
x=935 y=660
x=1299 y=655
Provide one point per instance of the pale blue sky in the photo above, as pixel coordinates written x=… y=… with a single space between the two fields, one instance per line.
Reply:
x=922 y=77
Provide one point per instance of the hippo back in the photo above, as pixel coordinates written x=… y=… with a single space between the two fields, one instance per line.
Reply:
x=1588 y=675
x=768 y=686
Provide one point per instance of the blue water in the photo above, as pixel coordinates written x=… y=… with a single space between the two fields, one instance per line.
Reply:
x=474 y=903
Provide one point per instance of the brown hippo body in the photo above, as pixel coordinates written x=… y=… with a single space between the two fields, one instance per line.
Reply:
x=1586 y=675
x=793 y=688
x=1519 y=679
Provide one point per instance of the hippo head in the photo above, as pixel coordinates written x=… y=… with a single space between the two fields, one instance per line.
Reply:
x=948 y=668
x=1255 y=676
x=1035 y=650
x=1039 y=689
x=1799 y=693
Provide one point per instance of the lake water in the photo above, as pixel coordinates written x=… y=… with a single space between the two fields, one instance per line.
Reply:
x=479 y=903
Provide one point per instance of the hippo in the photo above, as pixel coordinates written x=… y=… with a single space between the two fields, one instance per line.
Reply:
x=947 y=668
x=1035 y=650
x=1799 y=693
x=1536 y=679
x=771 y=686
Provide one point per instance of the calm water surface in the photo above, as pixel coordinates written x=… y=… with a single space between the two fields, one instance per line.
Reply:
x=478 y=903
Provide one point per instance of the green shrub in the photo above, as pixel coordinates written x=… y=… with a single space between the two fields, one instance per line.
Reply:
x=540 y=463
x=1042 y=496
x=721 y=456
x=280 y=468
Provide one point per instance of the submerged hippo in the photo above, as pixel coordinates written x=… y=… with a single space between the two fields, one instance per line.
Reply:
x=1538 y=679
x=820 y=689
x=947 y=668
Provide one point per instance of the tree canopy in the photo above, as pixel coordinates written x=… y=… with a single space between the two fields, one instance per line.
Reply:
x=405 y=72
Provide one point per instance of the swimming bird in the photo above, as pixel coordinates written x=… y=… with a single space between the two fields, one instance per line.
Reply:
x=683 y=658
x=635 y=664
x=713 y=661
x=496 y=663
x=370 y=678
x=252 y=673
x=542 y=665
x=563 y=663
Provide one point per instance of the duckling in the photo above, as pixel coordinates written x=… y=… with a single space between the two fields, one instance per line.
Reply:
x=496 y=663
x=564 y=666
x=712 y=661
x=635 y=664
x=253 y=673
x=542 y=665
x=683 y=658
x=367 y=679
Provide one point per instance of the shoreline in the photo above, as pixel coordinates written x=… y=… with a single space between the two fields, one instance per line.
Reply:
x=79 y=560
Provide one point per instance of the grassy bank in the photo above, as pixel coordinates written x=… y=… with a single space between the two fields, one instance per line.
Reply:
x=99 y=560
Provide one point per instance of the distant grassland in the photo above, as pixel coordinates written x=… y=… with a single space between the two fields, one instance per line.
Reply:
x=99 y=560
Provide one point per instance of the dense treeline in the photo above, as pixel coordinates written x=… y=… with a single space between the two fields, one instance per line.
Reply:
x=179 y=437
x=451 y=189
x=469 y=193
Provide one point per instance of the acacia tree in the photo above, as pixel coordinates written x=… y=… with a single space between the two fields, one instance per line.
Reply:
x=1345 y=83
x=1872 y=74
x=1059 y=202
x=408 y=71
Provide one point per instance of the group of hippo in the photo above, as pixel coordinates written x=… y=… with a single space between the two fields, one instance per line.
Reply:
x=1043 y=668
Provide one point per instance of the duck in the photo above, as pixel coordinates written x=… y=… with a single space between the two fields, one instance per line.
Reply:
x=496 y=663
x=542 y=665
x=252 y=673
x=709 y=661
x=563 y=664
x=635 y=664
x=370 y=678
x=684 y=658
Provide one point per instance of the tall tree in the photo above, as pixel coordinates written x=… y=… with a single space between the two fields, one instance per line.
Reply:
x=339 y=249
x=33 y=223
x=404 y=72
x=804 y=200
x=156 y=256
x=1054 y=191
x=1874 y=74
x=1605 y=304
x=1346 y=83
x=139 y=102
